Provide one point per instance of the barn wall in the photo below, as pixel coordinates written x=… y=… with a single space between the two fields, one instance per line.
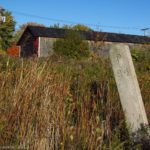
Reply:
x=27 y=47
x=46 y=46
x=102 y=48
x=99 y=47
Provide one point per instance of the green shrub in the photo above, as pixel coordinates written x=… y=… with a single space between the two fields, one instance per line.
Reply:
x=72 y=45
x=2 y=52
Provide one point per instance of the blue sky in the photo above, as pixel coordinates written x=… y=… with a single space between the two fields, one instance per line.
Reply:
x=111 y=15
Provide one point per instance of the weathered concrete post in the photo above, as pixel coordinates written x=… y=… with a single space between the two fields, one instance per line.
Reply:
x=128 y=87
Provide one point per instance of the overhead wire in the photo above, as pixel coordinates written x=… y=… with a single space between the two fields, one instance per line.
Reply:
x=72 y=22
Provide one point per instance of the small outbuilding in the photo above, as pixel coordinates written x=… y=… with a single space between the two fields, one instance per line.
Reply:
x=38 y=41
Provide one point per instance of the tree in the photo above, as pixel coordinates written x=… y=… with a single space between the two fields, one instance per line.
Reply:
x=81 y=27
x=6 y=29
x=78 y=27
x=56 y=26
x=72 y=45
x=21 y=29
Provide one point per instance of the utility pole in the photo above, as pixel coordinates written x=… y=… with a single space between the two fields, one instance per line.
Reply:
x=145 y=31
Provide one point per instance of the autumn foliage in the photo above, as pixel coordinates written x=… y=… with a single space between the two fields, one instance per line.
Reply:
x=13 y=51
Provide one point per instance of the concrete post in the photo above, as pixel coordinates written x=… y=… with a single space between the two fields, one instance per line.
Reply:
x=128 y=87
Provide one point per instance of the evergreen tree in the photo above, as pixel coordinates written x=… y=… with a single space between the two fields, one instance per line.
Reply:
x=6 y=29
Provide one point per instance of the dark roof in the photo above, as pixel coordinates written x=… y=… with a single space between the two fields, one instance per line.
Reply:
x=37 y=31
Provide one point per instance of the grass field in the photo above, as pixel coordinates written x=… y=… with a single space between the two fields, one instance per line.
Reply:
x=66 y=104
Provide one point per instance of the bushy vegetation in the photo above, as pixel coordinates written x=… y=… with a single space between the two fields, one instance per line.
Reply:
x=142 y=58
x=3 y=53
x=77 y=27
x=73 y=45
x=6 y=29
x=67 y=104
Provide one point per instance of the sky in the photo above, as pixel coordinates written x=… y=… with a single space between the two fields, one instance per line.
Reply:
x=120 y=16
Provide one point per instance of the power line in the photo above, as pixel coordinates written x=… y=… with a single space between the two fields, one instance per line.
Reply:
x=72 y=22
x=40 y=17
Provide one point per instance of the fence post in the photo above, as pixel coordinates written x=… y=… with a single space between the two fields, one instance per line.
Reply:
x=129 y=90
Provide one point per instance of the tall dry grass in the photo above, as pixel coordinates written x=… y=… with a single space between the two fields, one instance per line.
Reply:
x=67 y=104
